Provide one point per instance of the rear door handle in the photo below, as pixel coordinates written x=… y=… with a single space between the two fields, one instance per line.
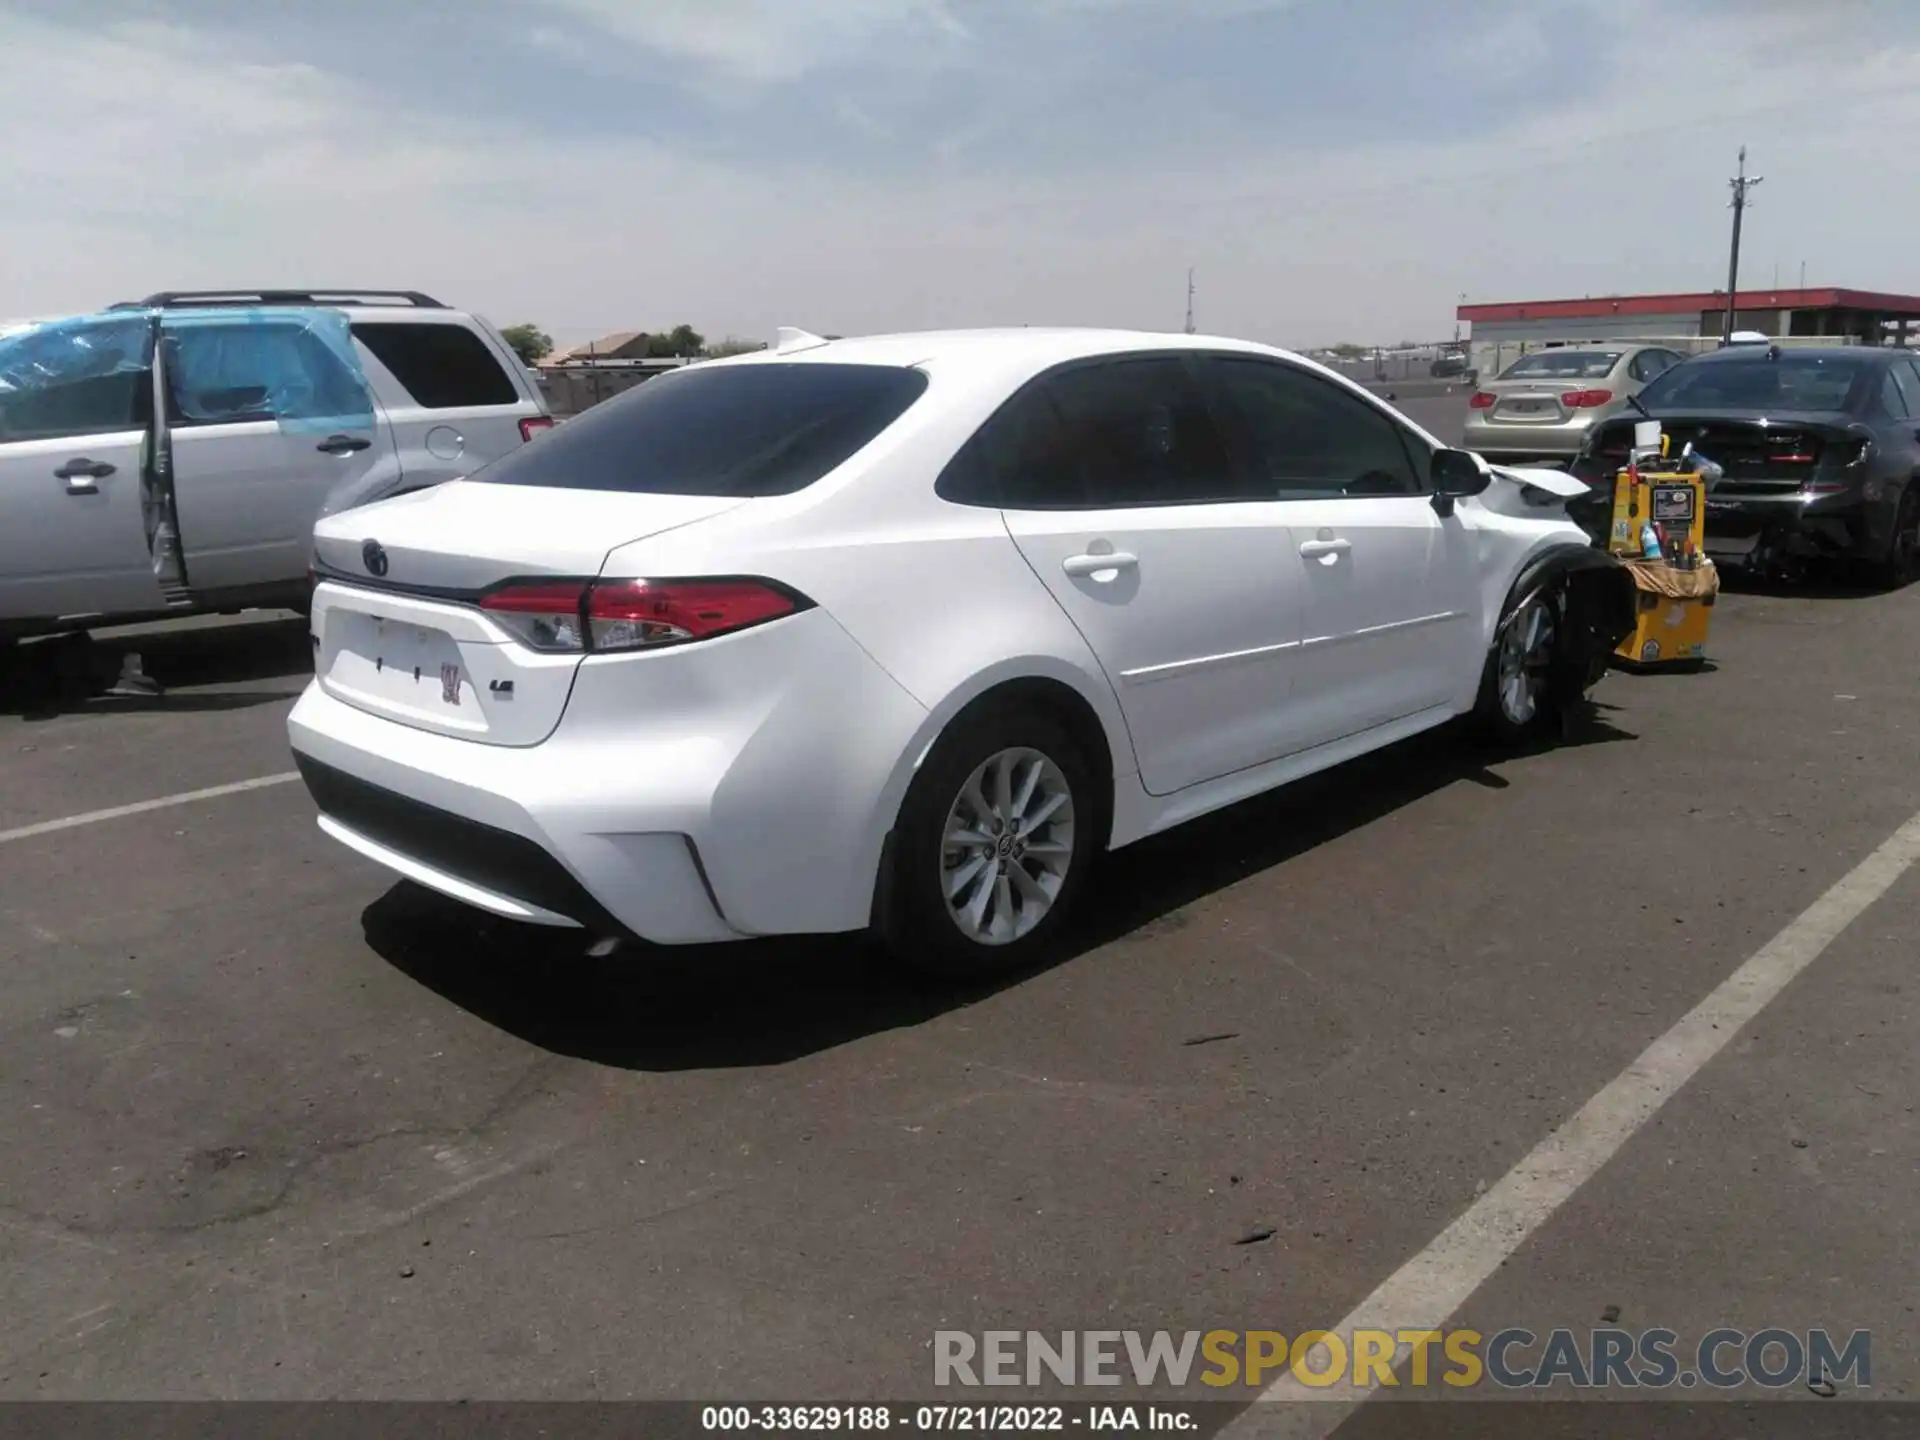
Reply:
x=1314 y=549
x=1082 y=566
x=342 y=445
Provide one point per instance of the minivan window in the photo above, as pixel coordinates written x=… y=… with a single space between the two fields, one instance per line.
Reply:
x=86 y=377
x=444 y=367
x=220 y=374
x=1564 y=365
x=741 y=430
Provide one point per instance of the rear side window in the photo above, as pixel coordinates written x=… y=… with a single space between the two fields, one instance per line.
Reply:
x=1901 y=373
x=444 y=367
x=1106 y=436
x=1649 y=363
x=76 y=378
x=1892 y=400
x=742 y=430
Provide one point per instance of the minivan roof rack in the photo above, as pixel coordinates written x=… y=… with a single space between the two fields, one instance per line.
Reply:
x=179 y=299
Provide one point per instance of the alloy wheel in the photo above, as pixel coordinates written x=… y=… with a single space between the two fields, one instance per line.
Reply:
x=1526 y=655
x=1006 y=846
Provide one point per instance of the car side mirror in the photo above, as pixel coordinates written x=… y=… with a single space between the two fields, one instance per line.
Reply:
x=1457 y=473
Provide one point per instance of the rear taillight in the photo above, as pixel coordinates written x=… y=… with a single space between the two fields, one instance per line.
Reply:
x=543 y=615
x=1854 y=450
x=639 y=614
x=1586 y=399
x=1481 y=401
x=534 y=424
x=609 y=616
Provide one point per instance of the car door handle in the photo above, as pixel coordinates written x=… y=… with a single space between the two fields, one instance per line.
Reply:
x=342 y=445
x=1314 y=549
x=1080 y=566
x=81 y=473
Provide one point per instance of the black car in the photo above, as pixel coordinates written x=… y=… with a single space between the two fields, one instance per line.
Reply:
x=1820 y=448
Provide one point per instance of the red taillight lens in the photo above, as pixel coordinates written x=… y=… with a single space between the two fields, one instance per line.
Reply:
x=1585 y=399
x=534 y=424
x=565 y=616
x=544 y=615
x=1481 y=401
x=638 y=614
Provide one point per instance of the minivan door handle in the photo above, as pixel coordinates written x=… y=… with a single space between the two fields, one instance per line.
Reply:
x=342 y=445
x=1097 y=566
x=1328 y=549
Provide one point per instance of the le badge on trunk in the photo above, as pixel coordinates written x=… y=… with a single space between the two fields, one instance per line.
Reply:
x=374 y=558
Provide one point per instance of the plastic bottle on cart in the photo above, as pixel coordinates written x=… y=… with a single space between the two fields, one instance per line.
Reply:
x=1649 y=542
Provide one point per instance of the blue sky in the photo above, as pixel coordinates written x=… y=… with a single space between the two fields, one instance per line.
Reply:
x=1332 y=168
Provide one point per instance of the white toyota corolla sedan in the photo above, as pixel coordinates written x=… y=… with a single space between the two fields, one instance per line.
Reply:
x=904 y=631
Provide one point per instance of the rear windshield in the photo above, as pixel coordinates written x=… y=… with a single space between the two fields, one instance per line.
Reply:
x=1756 y=382
x=745 y=430
x=1563 y=365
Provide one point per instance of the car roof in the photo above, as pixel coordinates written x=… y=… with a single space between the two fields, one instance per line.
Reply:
x=1880 y=354
x=995 y=348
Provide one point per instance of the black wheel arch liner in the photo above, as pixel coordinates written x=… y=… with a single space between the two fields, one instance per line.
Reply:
x=1599 y=611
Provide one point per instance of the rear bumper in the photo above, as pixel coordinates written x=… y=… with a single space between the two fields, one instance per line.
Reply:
x=748 y=796
x=1759 y=532
x=1516 y=442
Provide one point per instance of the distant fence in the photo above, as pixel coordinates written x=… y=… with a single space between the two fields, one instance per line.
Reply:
x=569 y=389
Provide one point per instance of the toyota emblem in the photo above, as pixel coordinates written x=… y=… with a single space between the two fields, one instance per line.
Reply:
x=374 y=558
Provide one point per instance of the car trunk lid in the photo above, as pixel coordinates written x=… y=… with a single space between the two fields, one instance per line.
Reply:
x=398 y=627
x=1777 y=455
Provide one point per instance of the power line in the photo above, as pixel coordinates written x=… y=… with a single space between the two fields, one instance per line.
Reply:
x=1741 y=184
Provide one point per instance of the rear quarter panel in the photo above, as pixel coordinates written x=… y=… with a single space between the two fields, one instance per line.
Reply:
x=936 y=594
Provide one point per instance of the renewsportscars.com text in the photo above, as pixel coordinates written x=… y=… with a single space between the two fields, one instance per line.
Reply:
x=1512 y=1359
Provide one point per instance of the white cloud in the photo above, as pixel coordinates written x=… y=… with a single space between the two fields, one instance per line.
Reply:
x=208 y=168
x=769 y=40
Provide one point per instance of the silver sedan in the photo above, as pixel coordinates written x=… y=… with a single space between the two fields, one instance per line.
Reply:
x=1543 y=405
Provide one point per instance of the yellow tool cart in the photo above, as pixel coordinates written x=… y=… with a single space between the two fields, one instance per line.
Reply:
x=1659 y=532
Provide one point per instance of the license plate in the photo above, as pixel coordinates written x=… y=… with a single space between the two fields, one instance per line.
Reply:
x=404 y=664
x=1733 y=547
x=1526 y=407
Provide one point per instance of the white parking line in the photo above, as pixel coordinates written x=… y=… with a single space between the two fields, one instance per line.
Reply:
x=1425 y=1292
x=94 y=817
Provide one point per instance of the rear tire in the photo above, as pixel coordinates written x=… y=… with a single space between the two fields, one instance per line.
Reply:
x=1902 y=565
x=992 y=847
x=1516 y=700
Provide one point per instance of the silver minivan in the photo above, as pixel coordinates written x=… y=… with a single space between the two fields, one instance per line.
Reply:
x=170 y=456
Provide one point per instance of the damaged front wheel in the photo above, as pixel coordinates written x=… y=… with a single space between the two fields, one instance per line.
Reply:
x=1516 y=690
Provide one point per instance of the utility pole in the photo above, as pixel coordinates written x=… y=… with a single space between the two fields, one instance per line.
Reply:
x=1741 y=184
x=1189 y=300
x=1456 y=321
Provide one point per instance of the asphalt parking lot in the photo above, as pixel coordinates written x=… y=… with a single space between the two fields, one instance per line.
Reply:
x=272 y=1126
